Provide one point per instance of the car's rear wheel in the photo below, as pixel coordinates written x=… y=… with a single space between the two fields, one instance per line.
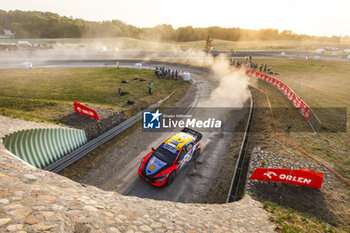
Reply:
x=171 y=178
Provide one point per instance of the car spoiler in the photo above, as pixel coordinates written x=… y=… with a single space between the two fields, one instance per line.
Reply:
x=195 y=134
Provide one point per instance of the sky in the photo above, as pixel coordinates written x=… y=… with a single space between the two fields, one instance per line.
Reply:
x=312 y=17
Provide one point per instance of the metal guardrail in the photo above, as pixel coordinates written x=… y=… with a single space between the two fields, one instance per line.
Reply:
x=100 y=140
x=237 y=175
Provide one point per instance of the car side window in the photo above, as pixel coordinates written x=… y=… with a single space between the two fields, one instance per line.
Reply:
x=182 y=154
x=189 y=147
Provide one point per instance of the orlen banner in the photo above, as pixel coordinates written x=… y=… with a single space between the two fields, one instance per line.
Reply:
x=302 y=177
x=81 y=109
x=298 y=103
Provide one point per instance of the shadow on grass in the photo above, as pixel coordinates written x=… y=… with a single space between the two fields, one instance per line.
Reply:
x=77 y=121
x=303 y=199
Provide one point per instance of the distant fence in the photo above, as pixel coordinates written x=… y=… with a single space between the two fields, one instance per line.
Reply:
x=298 y=103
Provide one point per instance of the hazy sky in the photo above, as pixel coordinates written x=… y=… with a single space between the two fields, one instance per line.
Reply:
x=313 y=17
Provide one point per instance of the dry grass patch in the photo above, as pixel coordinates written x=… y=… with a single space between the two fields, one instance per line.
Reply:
x=47 y=94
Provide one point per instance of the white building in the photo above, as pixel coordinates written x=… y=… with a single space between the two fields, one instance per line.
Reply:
x=7 y=34
x=24 y=43
x=320 y=51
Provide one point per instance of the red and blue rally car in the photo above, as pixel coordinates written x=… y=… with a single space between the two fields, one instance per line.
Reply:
x=160 y=166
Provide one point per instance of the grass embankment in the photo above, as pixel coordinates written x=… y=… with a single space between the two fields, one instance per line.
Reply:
x=290 y=220
x=47 y=94
x=311 y=80
x=325 y=87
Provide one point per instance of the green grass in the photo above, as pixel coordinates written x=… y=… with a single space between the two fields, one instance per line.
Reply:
x=330 y=76
x=290 y=221
x=47 y=94
x=324 y=85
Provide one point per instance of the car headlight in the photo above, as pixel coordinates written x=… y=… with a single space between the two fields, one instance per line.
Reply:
x=161 y=178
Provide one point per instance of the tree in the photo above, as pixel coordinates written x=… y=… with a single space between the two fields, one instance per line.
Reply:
x=38 y=24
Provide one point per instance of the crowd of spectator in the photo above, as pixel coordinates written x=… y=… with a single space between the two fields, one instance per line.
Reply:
x=249 y=64
x=162 y=72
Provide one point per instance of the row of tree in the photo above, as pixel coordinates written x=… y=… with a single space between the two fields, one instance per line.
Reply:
x=35 y=24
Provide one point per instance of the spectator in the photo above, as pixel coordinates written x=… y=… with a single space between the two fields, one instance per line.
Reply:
x=159 y=73
x=232 y=61
x=117 y=65
x=265 y=66
x=261 y=66
x=269 y=69
x=149 y=86
x=177 y=75
x=156 y=71
x=168 y=73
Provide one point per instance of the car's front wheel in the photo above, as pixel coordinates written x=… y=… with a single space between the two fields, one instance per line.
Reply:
x=171 y=178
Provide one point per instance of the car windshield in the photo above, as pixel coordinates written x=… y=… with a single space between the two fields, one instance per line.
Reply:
x=165 y=155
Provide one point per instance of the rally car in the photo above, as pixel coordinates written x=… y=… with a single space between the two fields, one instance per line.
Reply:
x=159 y=167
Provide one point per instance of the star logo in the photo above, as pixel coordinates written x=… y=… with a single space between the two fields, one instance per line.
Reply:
x=156 y=115
x=152 y=120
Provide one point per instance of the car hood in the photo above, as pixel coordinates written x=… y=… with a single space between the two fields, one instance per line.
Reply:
x=154 y=165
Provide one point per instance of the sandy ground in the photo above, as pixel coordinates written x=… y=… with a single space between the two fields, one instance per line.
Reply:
x=9 y=125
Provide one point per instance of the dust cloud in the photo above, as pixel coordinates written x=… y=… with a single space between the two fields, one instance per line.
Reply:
x=231 y=89
x=232 y=86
